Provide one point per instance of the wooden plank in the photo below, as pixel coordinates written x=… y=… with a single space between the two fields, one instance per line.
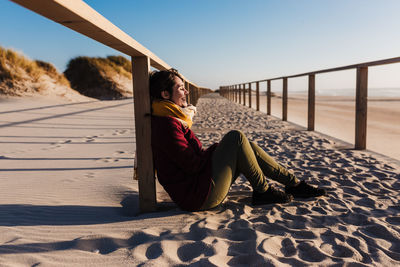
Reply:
x=80 y=17
x=348 y=67
x=361 y=108
x=240 y=94
x=236 y=93
x=142 y=108
x=191 y=93
x=244 y=94
x=284 y=100
x=311 y=102
x=268 y=97
x=187 y=86
x=249 y=95
x=258 y=96
x=194 y=96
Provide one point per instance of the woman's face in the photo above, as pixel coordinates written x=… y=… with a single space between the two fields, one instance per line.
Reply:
x=179 y=93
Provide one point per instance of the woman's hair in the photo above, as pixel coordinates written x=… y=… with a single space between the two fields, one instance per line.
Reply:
x=162 y=81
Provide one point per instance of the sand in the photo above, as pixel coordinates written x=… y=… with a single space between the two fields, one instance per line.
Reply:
x=67 y=197
x=335 y=116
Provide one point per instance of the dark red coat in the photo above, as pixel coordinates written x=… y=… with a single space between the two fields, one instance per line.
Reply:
x=183 y=166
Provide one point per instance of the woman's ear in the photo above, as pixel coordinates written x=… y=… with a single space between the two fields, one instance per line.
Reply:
x=165 y=94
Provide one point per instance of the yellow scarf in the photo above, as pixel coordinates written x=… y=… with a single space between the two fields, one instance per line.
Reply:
x=164 y=108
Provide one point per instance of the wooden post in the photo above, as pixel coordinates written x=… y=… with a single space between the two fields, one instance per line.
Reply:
x=244 y=94
x=240 y=94
x=197 y=89
x=236 y=93
x=361 y=108
x=284 y=100
x=249 y=95
x=191 y=92
x=142 y=108
x=311 y=102
x=269 y=97
x=191 y=89
x=187 y=87
x=258 y=96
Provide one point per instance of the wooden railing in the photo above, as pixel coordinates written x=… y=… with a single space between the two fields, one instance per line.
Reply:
x=237 y=93
x=80 y=17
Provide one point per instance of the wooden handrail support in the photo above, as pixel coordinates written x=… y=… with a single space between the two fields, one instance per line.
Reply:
x=244 y=94
x=361 y=108
x=284 y=99
x=257 y=96
x=80 y=17
x=236 y=93
x=361 y=96
x=249 y=95
x=311 y=102
x=240 y=94
x=268 y=97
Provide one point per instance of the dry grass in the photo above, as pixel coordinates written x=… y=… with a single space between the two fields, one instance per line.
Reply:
x=96 y=76
x=20 y=75
x=120 y=61
x=13 y=65
x=52 y=72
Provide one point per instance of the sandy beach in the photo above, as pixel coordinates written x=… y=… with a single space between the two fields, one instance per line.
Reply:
x=335 y=116
x=67 y=197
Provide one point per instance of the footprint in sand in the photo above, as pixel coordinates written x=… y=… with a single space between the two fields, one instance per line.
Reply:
x=308 y=252
x=90 y=175
x=277 y=246
x=119 y=132
x=154 y=251
x=90 y=139
x=190 y=251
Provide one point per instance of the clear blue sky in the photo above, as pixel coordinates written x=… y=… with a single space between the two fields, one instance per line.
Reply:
x=218 y=42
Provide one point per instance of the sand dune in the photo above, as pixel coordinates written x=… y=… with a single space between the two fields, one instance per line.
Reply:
x=68 y=197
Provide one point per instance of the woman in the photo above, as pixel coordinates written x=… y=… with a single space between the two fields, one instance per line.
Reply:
x=197 y=178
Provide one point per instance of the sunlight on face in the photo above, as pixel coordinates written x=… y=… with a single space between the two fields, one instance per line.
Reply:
x=179 y=93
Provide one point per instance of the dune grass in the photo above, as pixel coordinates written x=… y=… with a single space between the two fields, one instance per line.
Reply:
x=121 y=62
x=11 y=60
x=14 y=66
x=96 y=76
x=91 y=76
x=52 y=72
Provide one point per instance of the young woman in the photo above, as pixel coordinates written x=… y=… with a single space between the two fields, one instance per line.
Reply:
x=197 y=178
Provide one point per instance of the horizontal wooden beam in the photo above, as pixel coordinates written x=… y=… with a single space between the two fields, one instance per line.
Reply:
x=348 y=67
x=80 y=17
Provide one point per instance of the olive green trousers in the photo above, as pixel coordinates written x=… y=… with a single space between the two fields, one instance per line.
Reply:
x=236 y=155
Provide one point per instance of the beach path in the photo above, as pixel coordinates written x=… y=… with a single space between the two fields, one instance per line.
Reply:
x=67 y=196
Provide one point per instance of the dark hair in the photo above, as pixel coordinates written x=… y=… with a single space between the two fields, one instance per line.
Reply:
x=162 y=81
